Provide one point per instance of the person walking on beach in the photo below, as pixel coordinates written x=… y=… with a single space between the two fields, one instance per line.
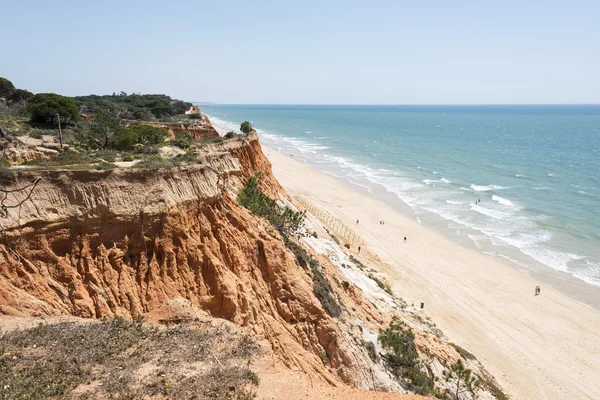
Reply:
x=404 y=239
x=357 y=221
x=358 y=249
x=537 y=290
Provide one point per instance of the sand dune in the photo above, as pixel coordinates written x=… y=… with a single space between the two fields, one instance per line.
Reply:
x=538 y=347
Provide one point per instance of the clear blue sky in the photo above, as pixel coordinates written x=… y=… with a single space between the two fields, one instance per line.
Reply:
x=310 y=52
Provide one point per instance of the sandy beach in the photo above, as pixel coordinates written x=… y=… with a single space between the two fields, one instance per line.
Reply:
x=538 y=347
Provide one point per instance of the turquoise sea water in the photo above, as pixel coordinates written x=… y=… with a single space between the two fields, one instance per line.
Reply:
x=536 y=170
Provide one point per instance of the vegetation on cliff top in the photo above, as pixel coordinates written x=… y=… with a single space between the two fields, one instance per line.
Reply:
x=144 y=107
x=126 y=359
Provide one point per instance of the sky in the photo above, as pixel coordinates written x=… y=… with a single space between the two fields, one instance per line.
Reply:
x=308 y=52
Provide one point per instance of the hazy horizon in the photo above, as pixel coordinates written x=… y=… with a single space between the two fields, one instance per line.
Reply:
x=338 y=53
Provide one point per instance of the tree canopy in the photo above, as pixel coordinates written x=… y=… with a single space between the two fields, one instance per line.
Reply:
x=246 y=127
x=135 y=106
x=6 y=88
x=43 y=107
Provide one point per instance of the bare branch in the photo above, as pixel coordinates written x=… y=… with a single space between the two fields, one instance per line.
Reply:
x=28 y=190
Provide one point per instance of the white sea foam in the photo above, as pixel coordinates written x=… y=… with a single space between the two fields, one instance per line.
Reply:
x=505 y=202
x=433 y=181
x=479 y=188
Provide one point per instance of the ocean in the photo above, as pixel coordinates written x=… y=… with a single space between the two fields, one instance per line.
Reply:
x=520 y=183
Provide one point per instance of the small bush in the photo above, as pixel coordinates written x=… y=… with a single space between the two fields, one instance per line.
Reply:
x=107 y=155
x=230 y=135
x=212 y=139
x=398 y=340
x=195 y=116
x=4 y=162
x=370 y=346
x=128 y=157
x=463 y=353
x=382 y=285
x=182 y=140
x=64 y=158
x=154 y=162
x=104 y=165
x=246 y=127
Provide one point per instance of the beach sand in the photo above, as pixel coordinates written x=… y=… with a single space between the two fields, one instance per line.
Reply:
x=537 y=347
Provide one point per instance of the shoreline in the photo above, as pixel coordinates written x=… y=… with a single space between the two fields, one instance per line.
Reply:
x=480 y=303
x=564 y=282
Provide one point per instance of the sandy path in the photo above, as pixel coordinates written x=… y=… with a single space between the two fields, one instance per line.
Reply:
x=538 y=347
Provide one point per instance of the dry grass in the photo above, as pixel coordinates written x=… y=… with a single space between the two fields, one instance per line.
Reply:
x=126 y=360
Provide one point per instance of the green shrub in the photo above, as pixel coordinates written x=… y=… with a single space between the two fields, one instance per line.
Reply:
x=246 y=127
x=64 y=158
x=286 y=221
x=128 y=157
x=230 y=135
x=107 y=155
x=4 y=162
x=398 y=340
x=154 y=162
x=463 y=353
x=195 y=116
x=382 y=285
x=145 y=135
x=43 y=107
x=182 y=140
x=289 y=223
x=323 y=291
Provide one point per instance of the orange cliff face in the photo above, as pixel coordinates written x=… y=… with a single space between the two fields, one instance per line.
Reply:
x=123 y=242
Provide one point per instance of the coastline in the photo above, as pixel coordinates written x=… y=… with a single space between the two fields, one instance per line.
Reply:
x=480 y=303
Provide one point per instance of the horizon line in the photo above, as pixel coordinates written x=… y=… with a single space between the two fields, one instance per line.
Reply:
x=206 y=103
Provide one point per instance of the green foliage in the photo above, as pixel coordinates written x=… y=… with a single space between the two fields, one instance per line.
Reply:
x=154 y=162
x=64 y=158
x=289 y=223
x=60 y=361
x=136 y=106
x=103 y=128
x=323 y=290
x=463 y=353
x=230 y=135
x=398 y=340
x=461 y=381
x=20 y=95
x=6 y=88
x=246 y=127
x=286 y=221
x=145 y=135
x=43 y=107
x=124 y=140
x=195 y=116
x=382 y=285
x=182 y=140
x=4 y=162
x=149 y=135
x=105 y=165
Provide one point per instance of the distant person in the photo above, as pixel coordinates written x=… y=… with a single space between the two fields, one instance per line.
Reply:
x=358 y=249
x=404 y=239
x=383 y=222
x=357 y=222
